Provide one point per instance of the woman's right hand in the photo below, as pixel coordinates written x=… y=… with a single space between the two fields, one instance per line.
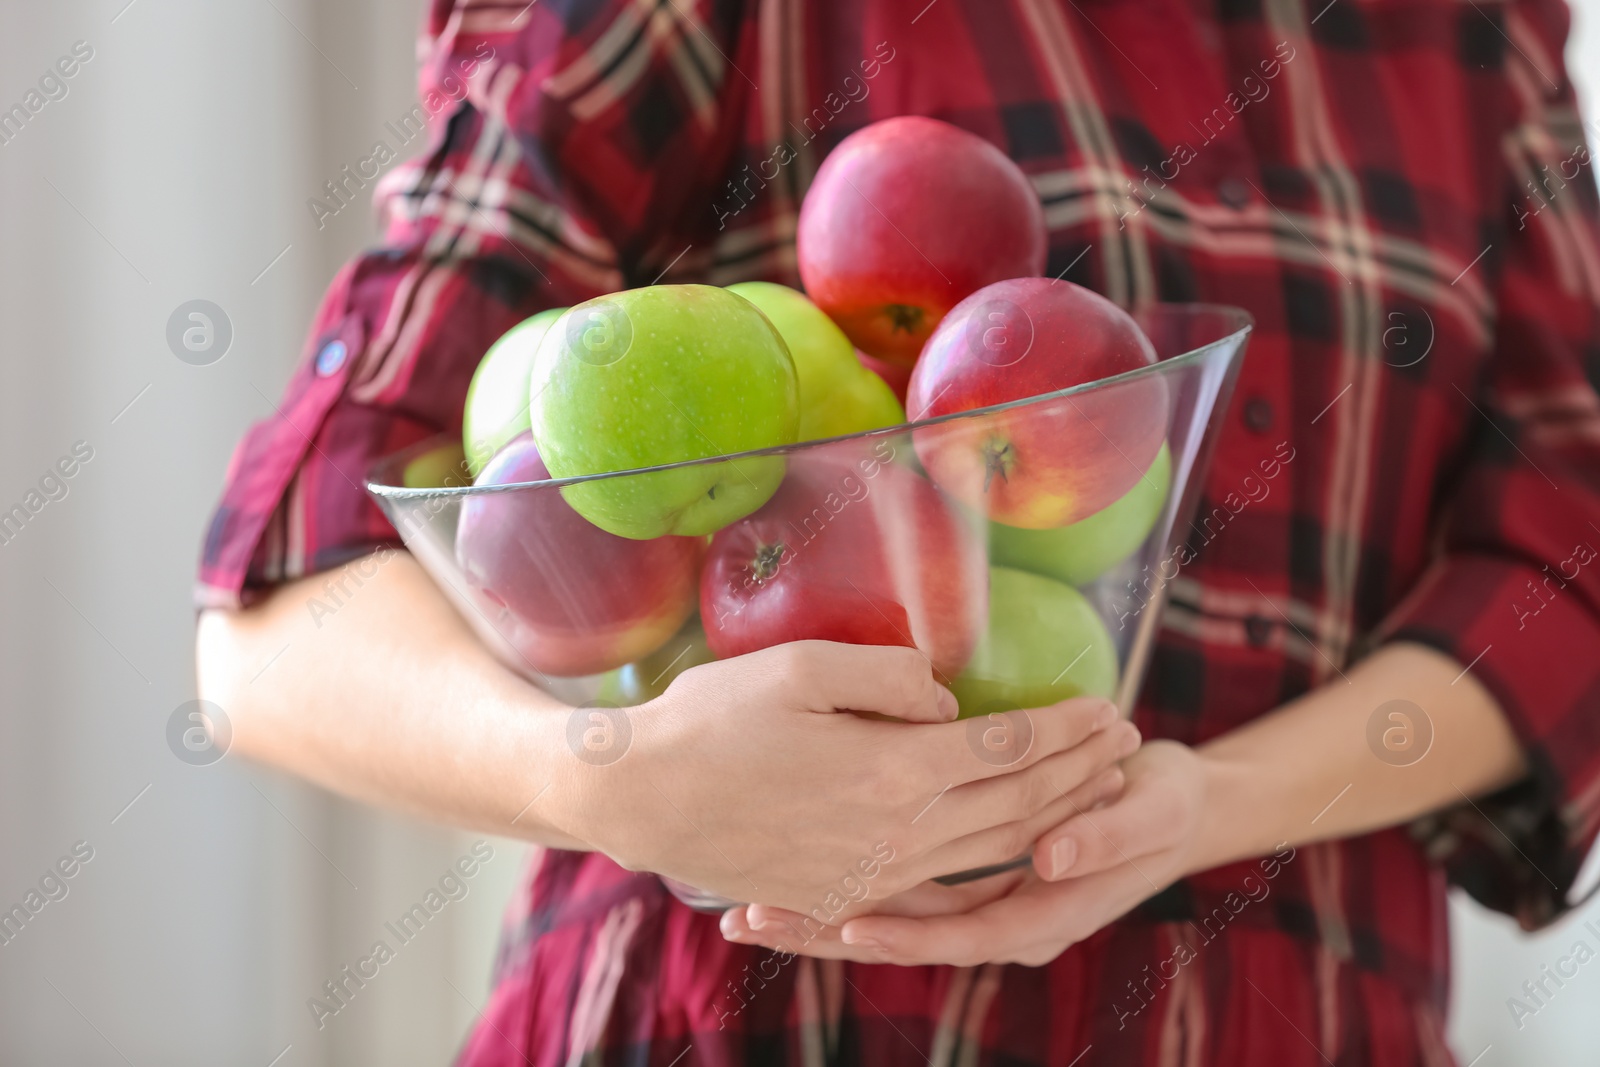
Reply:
x=743 y=779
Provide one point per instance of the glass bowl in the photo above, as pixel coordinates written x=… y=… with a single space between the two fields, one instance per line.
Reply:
x=925 y=534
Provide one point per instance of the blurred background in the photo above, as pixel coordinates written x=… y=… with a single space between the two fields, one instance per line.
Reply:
x=175 y=165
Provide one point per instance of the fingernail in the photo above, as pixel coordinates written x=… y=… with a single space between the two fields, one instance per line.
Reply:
x=730 y=926
x=1110 y=783
x=1105 y=716
x=1129 y=743
x=948 y=708
x=863 y=942
x=1062 y=856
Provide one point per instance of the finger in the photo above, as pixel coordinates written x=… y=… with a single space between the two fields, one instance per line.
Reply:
x=827 y=676
x=760 y=915
x=1005 y=742
x=1009 y=841
x=1024 y=793
x=1031 y=926
x=1090 y=796
x=925 y=898
x=773 y=921
x=823 y=942
x=1143 y=821
x=773 y=925
x=1003 y=930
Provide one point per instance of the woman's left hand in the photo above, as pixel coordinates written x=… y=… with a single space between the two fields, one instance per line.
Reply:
x=1086 y=873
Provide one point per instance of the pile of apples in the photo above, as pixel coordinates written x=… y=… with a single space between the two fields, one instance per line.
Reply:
x=921 y=248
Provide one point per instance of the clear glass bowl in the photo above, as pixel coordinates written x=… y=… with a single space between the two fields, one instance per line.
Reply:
x=884 y=537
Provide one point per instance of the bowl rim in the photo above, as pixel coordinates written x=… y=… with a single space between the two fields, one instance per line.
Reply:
x=1243 y=325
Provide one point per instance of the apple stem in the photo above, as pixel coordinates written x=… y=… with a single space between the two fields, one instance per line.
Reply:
x=996 y=457
x=904 y=317
x=766 y=561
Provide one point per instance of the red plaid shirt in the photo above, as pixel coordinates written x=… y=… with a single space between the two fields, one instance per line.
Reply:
x=1396 y=189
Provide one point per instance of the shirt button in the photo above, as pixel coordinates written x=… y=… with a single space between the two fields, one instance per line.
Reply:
x=1258 y=630
x=1235 y=192
x=332 y=357
x=1258 y=414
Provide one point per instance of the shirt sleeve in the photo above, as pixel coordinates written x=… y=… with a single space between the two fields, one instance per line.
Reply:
x=1515 y=593
x=573 y=151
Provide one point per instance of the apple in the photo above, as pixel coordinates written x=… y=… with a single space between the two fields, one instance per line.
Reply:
x=497 y=398
x=659 y=375
x=905 y=218
x=647 y=678
x=441 y=467
x=856 y=547
x=896 y=375
x=838 y=396
x=1080 y=553
x=1051 y=462
x=570 y=598
x=1044 y=643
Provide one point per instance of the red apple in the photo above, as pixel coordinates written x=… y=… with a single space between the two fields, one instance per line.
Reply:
x=570 y=598
x=1052 y=462
x=853 y=547
x=904 y=219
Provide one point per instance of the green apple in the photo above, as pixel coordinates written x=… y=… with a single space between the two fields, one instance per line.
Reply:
x=437 y=468
x=647 y=678
x=664 y=374
x=1080 y=553
x=837 y=394
x=1044 y=643
x=497 y=399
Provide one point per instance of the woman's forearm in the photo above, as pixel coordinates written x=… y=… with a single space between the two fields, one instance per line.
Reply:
x=1319 y=768
x=389 y=699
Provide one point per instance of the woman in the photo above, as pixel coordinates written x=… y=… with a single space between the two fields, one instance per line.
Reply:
x=1392 y=614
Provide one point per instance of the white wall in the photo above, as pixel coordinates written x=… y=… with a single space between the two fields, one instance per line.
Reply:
x=211 y=909
x=218 y=902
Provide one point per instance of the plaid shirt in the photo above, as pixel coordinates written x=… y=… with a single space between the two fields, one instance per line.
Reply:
x=1396 y=189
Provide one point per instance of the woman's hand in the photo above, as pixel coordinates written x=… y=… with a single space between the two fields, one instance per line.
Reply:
x=743 y=780
x=1307 y=772
x=1090 y=870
